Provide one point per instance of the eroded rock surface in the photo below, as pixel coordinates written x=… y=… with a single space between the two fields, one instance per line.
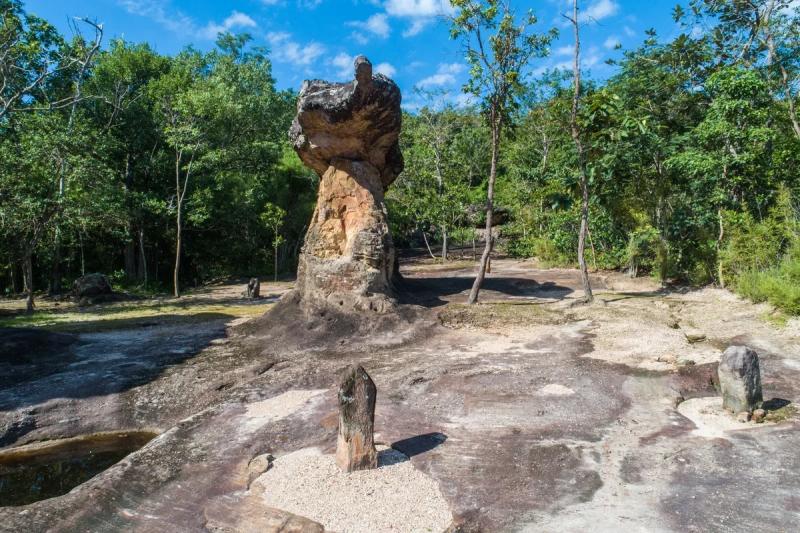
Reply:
x=740 y=379
x=355 y=446
x=348 y=134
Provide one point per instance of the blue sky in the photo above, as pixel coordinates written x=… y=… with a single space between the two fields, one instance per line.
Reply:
x=406 y=39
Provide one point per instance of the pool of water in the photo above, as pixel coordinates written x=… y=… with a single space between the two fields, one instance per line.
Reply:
x=51 y=468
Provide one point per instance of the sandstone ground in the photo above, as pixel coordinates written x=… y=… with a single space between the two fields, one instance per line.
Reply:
x=528 y=412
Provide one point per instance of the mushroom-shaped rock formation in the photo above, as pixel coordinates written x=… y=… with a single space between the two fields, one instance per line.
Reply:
x=348 y=134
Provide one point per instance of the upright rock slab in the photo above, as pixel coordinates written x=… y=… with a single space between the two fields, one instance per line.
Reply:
x=740 y=379
x=355 y=446
x=348 y=134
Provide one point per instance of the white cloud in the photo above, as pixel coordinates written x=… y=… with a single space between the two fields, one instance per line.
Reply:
x=377 y=24
x=612 y=42
x=420 y=12
x=416 y=27
x=445 y=75
x=386 y=69
x=156 y=11
x=418 y=8
x=629 y=31
x=285 y=49
x=567 y=50
x=599 y=10
x=235 y=20
x=344 y=63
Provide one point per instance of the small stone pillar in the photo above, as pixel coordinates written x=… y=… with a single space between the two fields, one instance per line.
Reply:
x=740 y=379
x=254 y=288
x=355 y=447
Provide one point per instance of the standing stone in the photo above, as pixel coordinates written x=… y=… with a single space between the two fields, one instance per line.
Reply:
x=254 y=288
x=740 y=379
x=348 y=134
x=355 y=447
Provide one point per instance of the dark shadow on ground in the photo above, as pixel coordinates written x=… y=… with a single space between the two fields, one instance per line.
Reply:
x=429 y=291
x=39 y=365
x=420 y=444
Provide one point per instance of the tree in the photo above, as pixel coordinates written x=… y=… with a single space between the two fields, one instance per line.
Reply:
x=582 y=165
x=498 y=49
x=272 y=216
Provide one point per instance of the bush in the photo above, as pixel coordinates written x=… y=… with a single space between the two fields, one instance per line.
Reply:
x=779 y=285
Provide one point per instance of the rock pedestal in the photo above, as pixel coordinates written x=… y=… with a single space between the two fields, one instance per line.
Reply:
x=355 y=446
x=348 y=134
x=740 y=379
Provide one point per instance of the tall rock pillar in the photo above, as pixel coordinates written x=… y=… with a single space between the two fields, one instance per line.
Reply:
x=348 y=134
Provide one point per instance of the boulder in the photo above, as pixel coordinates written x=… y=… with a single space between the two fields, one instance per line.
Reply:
x=740 y=379
x=91 y=285
x=355 y=447
x=348 y=134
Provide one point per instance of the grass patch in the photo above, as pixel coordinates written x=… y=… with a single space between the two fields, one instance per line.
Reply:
x=783 y=414
x=486 y=316
x=127 y=315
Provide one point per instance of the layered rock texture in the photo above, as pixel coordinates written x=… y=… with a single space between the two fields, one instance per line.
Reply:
x=740 y=379
x=348 y=134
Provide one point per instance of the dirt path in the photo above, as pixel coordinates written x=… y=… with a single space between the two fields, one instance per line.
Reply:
x=529 y=412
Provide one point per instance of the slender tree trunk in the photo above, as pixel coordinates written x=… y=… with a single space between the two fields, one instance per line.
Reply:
x=427 y=245
x=83 y=257
x=720 y=238
x=142 y=258
x=28 y=274
x=487 y=251
x=178 y=226
x=576 y=137
x=12 y=268
x=444 y=243
x=275 y=264
x=55 y=277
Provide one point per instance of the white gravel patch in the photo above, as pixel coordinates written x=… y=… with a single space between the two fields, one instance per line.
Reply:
x=712 y=421
x=396 y=497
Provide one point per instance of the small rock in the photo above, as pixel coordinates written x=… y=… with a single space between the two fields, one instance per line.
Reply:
x=740 y=379
x=744 y=416
x=671 y=359
x=758 y=415
x=686 y=362
x=694 y=336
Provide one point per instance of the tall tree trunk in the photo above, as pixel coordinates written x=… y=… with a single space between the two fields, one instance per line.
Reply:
x=427 y=245
x=130 y=244
x=28 y=274
x=720 y=238
x=55 y=273
x=444 y=243
x=142 y=258
x=584 y=179
x=275 y=263
x=12 y=269
x=487 y=251
x=178 y=243
x=178 y=225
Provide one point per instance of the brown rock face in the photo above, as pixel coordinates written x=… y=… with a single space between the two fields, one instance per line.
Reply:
x=355 y=447
x=347 y=133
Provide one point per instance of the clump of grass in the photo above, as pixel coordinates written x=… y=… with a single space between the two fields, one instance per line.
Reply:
x=497 y=315
x=107 y=317
x=781 y=415
x=778 y=285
